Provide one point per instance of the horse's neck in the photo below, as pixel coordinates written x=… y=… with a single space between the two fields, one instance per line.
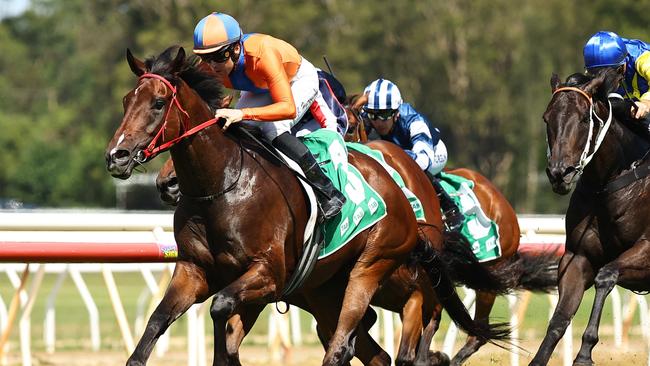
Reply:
x=202 y=161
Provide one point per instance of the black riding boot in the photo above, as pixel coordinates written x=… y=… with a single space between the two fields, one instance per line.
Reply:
x=330 y=200
x=453 y=217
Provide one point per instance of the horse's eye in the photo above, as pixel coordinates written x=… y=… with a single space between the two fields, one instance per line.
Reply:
x=159 y=103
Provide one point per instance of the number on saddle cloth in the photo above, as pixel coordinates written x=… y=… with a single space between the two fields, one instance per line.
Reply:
x=364 y=206
x=480 y=231
x=415 y=202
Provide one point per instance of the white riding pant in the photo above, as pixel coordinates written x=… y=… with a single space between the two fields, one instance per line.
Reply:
x=304 y=87
x=439 y=159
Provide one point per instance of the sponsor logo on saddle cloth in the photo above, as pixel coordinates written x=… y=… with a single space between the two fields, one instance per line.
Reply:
x=480 y=231
x=416 y=205
x=364 y=206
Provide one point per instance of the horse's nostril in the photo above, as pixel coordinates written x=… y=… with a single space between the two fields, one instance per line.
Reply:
x=120 y=155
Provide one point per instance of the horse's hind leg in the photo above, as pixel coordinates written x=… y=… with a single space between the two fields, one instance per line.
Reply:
x=325 y=309
x=364 y=281
x=630 y=268
x=424 y=356
x=412 y=324
x=576 y=275
x=484 y=303
x=187 y=287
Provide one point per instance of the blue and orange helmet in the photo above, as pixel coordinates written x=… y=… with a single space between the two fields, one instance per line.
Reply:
x=215 y=32
x=604 y=49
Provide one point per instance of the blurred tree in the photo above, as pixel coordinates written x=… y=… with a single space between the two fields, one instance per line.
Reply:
x=478 y=69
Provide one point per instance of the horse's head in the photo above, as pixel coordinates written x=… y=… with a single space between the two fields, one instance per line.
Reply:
x=146 y=108
x=572 y=131
x=356 y=130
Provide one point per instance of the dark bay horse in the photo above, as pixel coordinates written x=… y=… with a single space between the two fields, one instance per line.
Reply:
x=226 y=247
x=517 y=270
x=596 y=146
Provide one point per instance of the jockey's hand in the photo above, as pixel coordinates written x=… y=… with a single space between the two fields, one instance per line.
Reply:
x=230 y=115
x=642 y=108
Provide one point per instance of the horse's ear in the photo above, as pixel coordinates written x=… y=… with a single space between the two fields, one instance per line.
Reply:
x=136 y=65
x=555 y=82
x=594 y=85
x=179 y=60
x=605 y=82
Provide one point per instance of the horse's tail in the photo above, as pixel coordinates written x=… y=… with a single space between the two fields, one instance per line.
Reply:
x=438 y=273
x=465 y=269
x=532 y=272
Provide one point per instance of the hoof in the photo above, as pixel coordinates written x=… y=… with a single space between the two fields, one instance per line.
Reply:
x=438 y=358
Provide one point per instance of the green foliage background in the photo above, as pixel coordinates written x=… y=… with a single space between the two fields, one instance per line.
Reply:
x=478 y=69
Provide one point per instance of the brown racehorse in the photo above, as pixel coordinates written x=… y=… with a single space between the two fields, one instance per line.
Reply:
x=225 y=247
x=408 y=291
x=607 y=221
x=522 y=271
x=409 y=297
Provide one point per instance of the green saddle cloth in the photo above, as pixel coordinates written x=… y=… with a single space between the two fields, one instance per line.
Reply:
x=480 y=231
x=377 y=155
x=364 y=206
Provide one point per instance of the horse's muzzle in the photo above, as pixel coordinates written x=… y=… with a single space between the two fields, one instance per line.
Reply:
x=562 y=177
x=169 y=190
x=119 y=163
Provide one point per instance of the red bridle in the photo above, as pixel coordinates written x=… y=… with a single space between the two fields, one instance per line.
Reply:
x=153 y=148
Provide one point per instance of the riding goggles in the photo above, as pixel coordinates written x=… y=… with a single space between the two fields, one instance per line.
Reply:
x=219 y=56
x=380 y=114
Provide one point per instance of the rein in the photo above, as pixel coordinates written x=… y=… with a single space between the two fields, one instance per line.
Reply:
x=585 y=157
x=154 y=148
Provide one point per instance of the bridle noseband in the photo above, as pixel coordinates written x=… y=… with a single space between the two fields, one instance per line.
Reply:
x=585 y=157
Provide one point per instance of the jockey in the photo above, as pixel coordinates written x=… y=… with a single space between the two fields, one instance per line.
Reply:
x=630 y=57
x=277 y=86
x=402 y=125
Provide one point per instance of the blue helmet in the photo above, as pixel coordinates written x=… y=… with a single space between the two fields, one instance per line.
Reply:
x=604 y=49
x=383 y=94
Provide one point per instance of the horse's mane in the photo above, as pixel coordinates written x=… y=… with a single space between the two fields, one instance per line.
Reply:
x=206 y=85
x=578 y=79
x=197 y=76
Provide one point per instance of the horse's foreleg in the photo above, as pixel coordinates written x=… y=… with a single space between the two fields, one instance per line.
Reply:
x=631 y=268
x=484 y=303
x=237 y=328
x=363 y=283
x=576 y=275
x=187 y=287
x=256 y=285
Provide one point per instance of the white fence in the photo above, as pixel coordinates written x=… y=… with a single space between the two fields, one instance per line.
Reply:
x=74 y=236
